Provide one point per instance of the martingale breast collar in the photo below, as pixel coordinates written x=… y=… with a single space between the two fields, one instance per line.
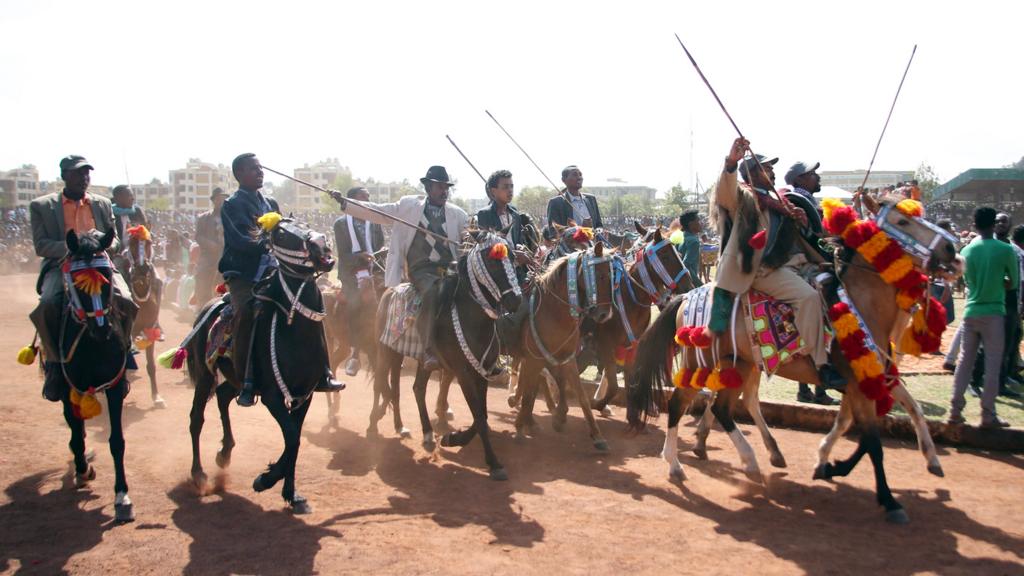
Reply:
x=914 y=247
x=99 y=312
x=585 y=264
x=648 y=256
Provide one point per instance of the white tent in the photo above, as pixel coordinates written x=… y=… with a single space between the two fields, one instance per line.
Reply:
x=833 y=192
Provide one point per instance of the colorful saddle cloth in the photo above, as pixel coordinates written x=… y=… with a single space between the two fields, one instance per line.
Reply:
x=218 y=344
x=697 y=306
x=399 y=332
x=772 y=328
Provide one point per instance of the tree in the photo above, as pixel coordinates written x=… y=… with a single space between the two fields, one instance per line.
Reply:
x=927 y=180
x=160 y=203
x=533 y=200
x=1018 y=165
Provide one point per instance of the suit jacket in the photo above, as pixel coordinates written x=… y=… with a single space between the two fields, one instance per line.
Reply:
x=210 y=237
x=487 y=219
x=410 y=208
x=242 y=248
x=560 y=210
x=347 y=261
x=47 y=217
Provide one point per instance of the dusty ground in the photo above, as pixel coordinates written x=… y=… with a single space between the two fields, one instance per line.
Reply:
x=387 y=506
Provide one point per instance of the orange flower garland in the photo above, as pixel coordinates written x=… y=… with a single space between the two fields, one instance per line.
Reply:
x=864 y=362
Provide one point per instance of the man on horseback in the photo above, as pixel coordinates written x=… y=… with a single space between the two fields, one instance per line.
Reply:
x=52 y=217
x=761 y=250
x=126 y=215
x=245 y=261
x=572 y=203
x=357 y=240
x=210 y=237
x=423 y=257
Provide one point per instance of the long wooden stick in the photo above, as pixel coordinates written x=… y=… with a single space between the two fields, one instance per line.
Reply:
x=337 y=196
x=457 y=149
x=887 y=118
x=528 y=157
x=727 y=115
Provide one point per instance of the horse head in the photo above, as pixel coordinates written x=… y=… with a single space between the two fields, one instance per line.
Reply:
x=658 y=254
x=492 y=272
x=140 y=251
x=88 y=274
x=931 y=248
x=572 y=237
x=296 y=246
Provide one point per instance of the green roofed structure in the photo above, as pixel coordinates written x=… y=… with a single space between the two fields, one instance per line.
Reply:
x=1000 y=188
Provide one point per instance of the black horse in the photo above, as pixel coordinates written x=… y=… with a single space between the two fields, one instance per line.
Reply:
x=94 y=353
x=289 y=354
x=466 y=339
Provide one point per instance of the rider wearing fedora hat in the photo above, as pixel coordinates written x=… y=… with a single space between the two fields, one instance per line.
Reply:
x=424 y=258
x=210 y=238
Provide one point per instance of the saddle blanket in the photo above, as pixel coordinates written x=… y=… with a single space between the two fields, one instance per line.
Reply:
x=218 y=344
x=399 y=332
x=697 y=307
x=772 y=328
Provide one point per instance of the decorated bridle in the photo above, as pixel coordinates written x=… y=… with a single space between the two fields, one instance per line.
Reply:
x=85 y=275
x=917 y=249
x=584 y=263
x=141 y=234
x=646 y=256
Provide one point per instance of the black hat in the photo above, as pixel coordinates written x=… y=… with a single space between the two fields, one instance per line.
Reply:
x=749 y=164
x=437 y=174
x=218 y=191
x=74 y=162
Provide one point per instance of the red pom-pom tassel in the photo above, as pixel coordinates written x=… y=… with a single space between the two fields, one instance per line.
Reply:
x=730 y=378
x=179 y=358
x=757 y=241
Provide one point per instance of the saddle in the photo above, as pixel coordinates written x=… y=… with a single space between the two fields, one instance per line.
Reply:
x=219 y=340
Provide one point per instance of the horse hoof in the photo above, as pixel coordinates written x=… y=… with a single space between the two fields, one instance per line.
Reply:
x=607 y=412
x=82 y=480
x=223 y=460
x=199 y=480
x=449 y=415
x=754 y=476
x=158 y=402
x=405 y=433
x=123 y=510
x=511 y=401
x=446 y=440
x=675 y=474
x=936 y=469
x=372 y=434
x=897 y=516
x=429 y=445
x=778 y=461
x=498 y=474
x=820 y=472
x=700 y=453
x=300 y=506
x=601 y=445
x=90 y=455
x=259 y=484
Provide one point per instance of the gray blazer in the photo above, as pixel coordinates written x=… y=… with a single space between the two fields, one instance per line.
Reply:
x=47 y=217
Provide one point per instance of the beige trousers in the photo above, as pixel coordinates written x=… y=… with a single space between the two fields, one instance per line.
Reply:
x=786 y=285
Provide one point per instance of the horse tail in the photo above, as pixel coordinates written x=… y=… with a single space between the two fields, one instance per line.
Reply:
x=652 y=367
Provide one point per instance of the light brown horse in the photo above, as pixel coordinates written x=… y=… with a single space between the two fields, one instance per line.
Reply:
x=550 y=336
x=876 y=301
x=147 y=292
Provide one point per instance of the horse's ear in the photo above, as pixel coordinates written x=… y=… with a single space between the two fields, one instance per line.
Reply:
x=475 y=234
x=639 y=228
x=657 y=234
x=599 y=249
x=71 y=240
x=558 y=227
x=107 y=239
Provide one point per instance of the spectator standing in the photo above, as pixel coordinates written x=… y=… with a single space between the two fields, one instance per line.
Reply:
x=690 y=247
x=988 y=262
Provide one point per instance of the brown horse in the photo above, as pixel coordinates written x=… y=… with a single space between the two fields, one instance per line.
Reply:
x=147 y=292
x=876 y=301
x=577 y=286
x=656 y=273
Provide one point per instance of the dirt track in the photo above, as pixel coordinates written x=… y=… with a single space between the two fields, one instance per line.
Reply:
x=387 y=506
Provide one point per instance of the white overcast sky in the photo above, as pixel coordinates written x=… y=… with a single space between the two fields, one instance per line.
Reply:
x=600 y=84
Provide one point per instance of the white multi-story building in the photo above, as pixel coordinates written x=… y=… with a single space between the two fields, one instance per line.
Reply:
x=191 y=186
x=155 y=194
x=21 y=186
x=617 y=187
x=323 y=174
x=851 y=179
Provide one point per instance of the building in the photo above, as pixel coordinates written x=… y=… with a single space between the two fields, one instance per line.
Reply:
x=192 y=185
x=1000 y=188
x=851 y=179
x=324 y=174
x=617 y=187
x=155 y=195
x=20 y=187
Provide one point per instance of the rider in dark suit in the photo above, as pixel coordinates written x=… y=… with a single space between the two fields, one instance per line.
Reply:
x=571 y=203
x=245 y=260
x=501 y=215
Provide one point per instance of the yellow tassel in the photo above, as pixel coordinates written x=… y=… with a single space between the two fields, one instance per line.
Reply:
x=713 y=383
x=88 y=405
x=269 y=221
x=677 y=378
x=27 y=355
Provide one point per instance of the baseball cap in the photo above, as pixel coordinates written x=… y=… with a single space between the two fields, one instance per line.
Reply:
x=74 y=162
x=799 y=169
x=750 y=163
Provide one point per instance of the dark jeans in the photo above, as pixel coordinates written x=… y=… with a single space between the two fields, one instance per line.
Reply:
x=1011 y=338
x=427 y=280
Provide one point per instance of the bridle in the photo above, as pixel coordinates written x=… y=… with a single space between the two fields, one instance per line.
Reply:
x=919 y=251
x=584 y=263
x=646 y=256
x=80 y=316
x=138 y=260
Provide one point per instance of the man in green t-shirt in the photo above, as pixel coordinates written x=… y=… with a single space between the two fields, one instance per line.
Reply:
x=989 y=263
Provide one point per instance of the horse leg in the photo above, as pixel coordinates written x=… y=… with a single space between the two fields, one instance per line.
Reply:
x=419 y=390
x=474 y=388
x=924 y=437
x=529 y=372
x=707 y=419
x=442 y=409
x=545 y=388
x=158 y=401
x=870 y=443
x=123 y=511
x=561 y=411
x=291 y=434
x=204 y=382
x=84 y=472
x=396 y=406
x=609 y=386
x=839 y=427
x=670 y=452
x=573 y=375
x=753 y=405
x=298 y=503
x=382 y=371
x=225 y=394
x=514 y=394
x=722 y=409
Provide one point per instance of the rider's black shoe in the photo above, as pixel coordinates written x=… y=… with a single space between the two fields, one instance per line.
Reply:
x=830 y=378
x=247 y=397
x=52 y=377
x=329 y=384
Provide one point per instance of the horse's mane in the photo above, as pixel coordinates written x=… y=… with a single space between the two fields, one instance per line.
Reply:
x=547 y=279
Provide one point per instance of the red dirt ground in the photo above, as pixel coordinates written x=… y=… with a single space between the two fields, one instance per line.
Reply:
x=387 y=506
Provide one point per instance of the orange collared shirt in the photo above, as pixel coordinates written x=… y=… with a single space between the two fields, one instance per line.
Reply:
x=77 y=214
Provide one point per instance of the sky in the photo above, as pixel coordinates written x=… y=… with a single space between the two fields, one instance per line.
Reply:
x=141 y=87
